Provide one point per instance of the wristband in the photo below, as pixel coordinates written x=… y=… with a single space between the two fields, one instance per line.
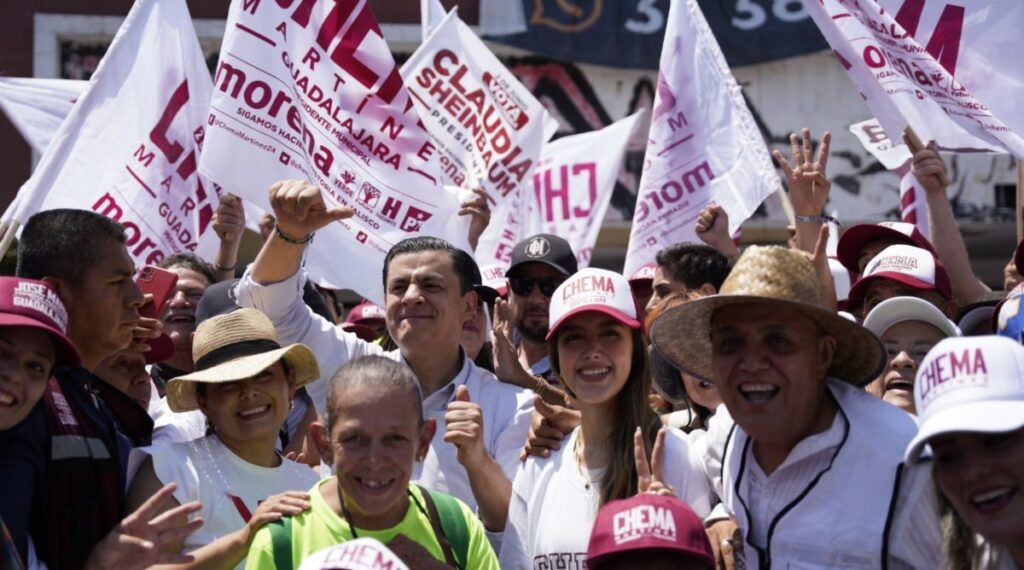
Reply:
x=822 y=219
x=293 y=241
x=220 y=267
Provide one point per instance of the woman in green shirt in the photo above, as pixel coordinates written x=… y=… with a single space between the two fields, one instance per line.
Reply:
x=373 y=435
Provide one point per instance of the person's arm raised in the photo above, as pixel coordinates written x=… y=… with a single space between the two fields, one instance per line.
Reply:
x=300 y=211
x=809 y=185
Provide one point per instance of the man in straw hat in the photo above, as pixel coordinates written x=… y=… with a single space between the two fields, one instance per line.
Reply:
x=808 y=464
x=429 y=294
x=243 y=382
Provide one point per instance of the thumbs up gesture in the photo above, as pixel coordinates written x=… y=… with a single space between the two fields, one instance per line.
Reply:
x=464 y=427
x=300 y=208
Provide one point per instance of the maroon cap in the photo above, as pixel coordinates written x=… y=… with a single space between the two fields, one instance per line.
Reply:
x=35 y=304
x=365 y=311
x=912 y=266
x=854 y=239
x=648 y=522
x=362 y=331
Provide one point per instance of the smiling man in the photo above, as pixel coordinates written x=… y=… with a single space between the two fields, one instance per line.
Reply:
x=179 y=318
x=429 y=294
x=807 y=463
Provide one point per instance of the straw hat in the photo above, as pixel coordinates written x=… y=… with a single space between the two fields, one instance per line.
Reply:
x=786 y=280
x=233 y=347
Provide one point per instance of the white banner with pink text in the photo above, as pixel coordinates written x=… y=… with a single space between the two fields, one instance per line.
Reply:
x=488 y=127
x=312 y=92
x=573 y=184
x=944 y=68
x=128 y=147
x=703 y=148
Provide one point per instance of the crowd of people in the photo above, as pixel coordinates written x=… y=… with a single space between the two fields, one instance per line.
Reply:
x=719 y=409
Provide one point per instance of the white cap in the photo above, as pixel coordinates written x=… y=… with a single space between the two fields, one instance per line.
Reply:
x=358 y=554
x=968 y=384
x=912 y=266
x=901 y=309
x=593 y=289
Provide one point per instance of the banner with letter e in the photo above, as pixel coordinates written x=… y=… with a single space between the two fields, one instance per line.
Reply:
x=309 y=90
x=703 y=148
x=128 y=148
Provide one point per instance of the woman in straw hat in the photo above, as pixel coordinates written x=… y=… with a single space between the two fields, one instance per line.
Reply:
x=243 y=382
x=598 y=351
x=970 y=396
x=808 y=464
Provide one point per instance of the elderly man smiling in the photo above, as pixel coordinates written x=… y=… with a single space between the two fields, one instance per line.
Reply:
x=807 y=463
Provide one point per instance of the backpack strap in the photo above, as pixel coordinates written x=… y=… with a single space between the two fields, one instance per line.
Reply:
x=453 y=532
x=281 y=542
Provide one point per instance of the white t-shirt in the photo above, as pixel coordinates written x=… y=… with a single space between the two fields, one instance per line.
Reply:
x=229 y=487
x=175 y=427
x=552 y=509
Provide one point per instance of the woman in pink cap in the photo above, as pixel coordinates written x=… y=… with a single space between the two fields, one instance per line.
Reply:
x=598 y=352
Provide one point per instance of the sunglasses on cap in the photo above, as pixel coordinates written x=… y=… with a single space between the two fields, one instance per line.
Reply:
x=524 y=285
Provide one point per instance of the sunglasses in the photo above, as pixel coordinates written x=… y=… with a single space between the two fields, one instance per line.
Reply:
x=524 y=285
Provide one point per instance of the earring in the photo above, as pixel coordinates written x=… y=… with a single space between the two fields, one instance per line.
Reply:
x=291 y=404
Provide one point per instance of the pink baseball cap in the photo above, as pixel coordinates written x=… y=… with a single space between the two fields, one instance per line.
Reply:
x=365 y=311
x=593 y=289
x=648 y=522
x=968 y=384
x=856 y=237
x=358 y=554
x=35 y=304
x=912 y=266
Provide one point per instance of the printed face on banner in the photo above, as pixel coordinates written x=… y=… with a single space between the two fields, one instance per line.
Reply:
x=488 y=128
x=144 y=175
x=908 y=65
x=310 y=90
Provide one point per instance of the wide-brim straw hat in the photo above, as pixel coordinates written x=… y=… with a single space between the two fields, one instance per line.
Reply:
x=786 y=281
x=233 y=347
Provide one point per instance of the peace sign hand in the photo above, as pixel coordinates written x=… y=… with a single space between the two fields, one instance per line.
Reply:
x=650 y=476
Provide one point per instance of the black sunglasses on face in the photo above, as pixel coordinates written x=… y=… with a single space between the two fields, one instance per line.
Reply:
x=524 y=285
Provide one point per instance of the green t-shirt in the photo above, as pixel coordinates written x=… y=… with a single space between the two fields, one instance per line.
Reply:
x=321 y=527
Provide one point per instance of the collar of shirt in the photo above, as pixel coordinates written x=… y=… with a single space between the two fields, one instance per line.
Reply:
x=439 y=400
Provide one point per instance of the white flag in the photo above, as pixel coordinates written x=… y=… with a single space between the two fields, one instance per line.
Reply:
x=128 y=148
x=704 y=146
x=893 y=155
x=37 y=107
x=312 y=92
x=488 y=128
x=573 y=184
x=927 y=63
x=432 y=13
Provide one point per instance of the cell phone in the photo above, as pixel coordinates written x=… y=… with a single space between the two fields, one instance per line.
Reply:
x=160 y=283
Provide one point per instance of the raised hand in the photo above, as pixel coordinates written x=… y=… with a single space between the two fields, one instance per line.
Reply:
x=929 y=168
x=480 y=210
x=464 y=428
x=713 y=229
x=229 y=219
x=300 y=209
x=651 y=475
x=807 y=175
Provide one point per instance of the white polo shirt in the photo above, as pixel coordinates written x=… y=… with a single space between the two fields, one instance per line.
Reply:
x=506 y=409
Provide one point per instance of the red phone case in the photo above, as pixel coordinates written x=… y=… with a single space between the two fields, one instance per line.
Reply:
x=160 y=283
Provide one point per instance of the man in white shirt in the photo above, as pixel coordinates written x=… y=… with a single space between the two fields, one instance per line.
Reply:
x=806 y=462
x=428 y=295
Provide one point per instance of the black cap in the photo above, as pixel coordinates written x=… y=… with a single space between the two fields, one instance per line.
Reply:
x=544 y=248
x=487 y=294
x=218 y=299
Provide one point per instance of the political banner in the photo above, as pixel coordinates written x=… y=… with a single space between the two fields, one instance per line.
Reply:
x=929 y=63
x=37 y=107
x=310 y=91
x=573 y=184
x=703 y=148
x=893 y=155
x=913 y=203
x=488 y=128
x=630 y=34
x=128 y=148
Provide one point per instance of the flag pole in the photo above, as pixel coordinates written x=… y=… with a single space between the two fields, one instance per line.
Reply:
x=916 y=145
x=8 y=238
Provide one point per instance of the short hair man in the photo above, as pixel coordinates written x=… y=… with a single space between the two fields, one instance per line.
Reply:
x=429 y=294
x=179 y=318
x=790 y=371
x=540 y=263
x=902 y=270
x=683 y=267
x=83 y=256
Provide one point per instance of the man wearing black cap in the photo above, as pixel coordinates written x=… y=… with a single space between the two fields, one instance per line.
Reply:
x=540 y=263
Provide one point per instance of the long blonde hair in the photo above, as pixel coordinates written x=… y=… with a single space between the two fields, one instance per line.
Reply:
x=631 y=410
